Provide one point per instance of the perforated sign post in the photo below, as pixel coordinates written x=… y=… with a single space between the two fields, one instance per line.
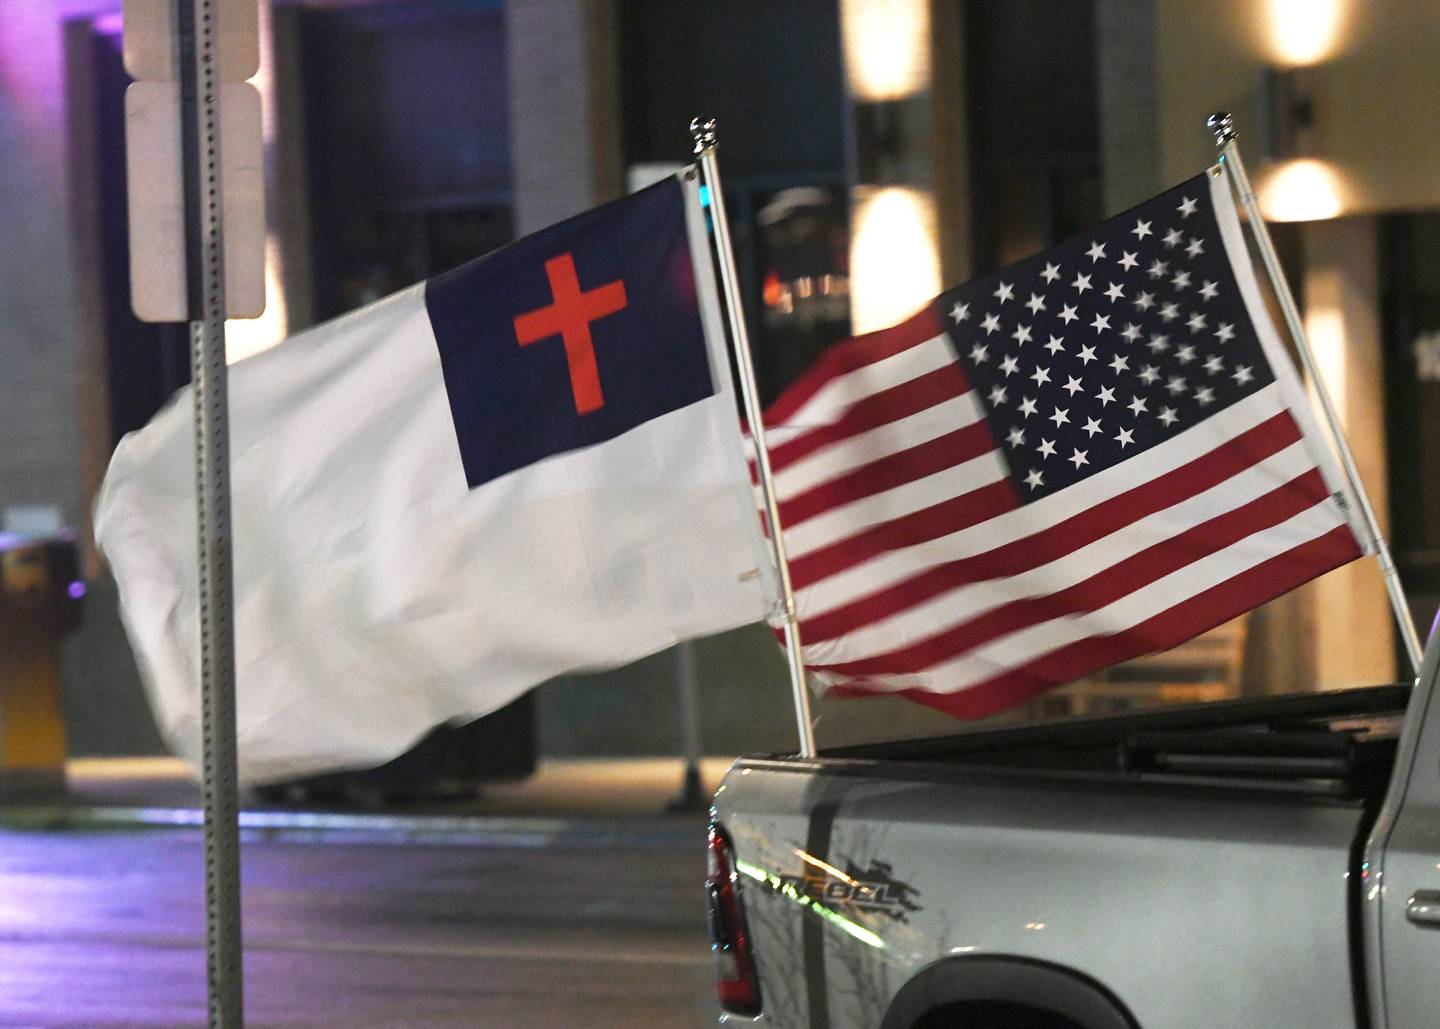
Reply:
x=181 y=117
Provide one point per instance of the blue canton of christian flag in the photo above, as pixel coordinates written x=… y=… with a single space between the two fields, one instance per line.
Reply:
x=571 y=336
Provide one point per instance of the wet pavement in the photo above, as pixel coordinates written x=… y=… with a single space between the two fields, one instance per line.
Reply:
x=588 y=913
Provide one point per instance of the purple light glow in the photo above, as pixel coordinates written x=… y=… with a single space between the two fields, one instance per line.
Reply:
x=32 y=68
x=112 y=24
x=76 y=590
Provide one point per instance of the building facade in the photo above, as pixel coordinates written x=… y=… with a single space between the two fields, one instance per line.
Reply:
x=876 y=151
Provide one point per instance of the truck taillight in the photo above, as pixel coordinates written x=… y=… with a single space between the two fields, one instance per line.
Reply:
x=735 y=978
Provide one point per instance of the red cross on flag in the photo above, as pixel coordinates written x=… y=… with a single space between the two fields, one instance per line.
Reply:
x=569 y=317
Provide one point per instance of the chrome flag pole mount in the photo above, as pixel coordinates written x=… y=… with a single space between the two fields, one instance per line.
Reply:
x=1222 y=124
x=205 y=275
x=703 y=133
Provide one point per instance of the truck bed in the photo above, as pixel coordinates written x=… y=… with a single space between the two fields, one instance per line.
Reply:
x=1339 y=744
x=1111 y=851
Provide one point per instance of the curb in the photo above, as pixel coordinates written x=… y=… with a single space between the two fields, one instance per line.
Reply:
x=676 y=832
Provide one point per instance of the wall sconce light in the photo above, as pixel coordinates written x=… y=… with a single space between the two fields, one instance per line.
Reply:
x=894 y=257
x=1304 y=32
x=894 y=260
x=1302 y=190
x=1288 y=112
x=1297 y=184
x=887 y=47
x=891 y=139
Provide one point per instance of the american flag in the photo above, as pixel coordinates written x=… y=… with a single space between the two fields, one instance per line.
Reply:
x=1096 y=453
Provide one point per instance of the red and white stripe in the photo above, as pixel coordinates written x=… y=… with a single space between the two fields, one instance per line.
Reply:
x=917 y=568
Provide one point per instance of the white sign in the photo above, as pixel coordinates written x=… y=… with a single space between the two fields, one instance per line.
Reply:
x=158 y=290
x=151 y=47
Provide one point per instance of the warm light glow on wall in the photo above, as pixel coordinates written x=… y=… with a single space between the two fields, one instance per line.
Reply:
x=887 y=47
x=894 y=258
x=1325 y=328
x=1302 y=191
x=247 y=336
x=250 y=336
x=1301 y=32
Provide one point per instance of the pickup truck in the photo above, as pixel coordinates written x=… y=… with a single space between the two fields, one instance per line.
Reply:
x=1265 y=863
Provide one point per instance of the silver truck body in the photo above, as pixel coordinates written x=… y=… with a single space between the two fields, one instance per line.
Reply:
x=1192 y=891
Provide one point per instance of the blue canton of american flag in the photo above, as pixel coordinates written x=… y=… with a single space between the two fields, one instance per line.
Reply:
x=1096 y=453
x=1108 y=344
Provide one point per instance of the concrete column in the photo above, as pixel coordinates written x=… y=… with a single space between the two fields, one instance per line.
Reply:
x=92 y=379
x=953 y=200
x=1129 y=109
x=287 y=184
x=898 y=140
x=1353 y=638
x=563 y=76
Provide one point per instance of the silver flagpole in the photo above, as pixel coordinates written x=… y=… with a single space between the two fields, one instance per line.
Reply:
x=703 y=133
x=692 y=796
x=1223 y=125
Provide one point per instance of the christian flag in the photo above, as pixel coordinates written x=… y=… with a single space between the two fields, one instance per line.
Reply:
x=1098 y=452
x=529 y=465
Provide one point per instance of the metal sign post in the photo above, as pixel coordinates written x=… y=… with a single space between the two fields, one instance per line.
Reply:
x=703 y=132
x=197 y=255
x=1223 y=125
x=205 y=279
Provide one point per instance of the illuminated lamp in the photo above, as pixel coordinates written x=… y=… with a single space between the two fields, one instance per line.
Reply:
x=894 y=263
x=1302 y=190
x=887 y=48
x=1304 y=32
x=1298 y=185
x=894 y=251
x=1287 y=113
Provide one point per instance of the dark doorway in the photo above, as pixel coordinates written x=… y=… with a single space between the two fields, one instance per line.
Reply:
x=1033 y=107
x=772 y=76
x=406 y=113
x=1410 y=318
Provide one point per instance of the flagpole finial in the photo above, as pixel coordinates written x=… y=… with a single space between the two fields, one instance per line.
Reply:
x=1222 y=123
x=702 y=130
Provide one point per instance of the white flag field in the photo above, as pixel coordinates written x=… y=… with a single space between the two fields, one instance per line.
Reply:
x=525 y=467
